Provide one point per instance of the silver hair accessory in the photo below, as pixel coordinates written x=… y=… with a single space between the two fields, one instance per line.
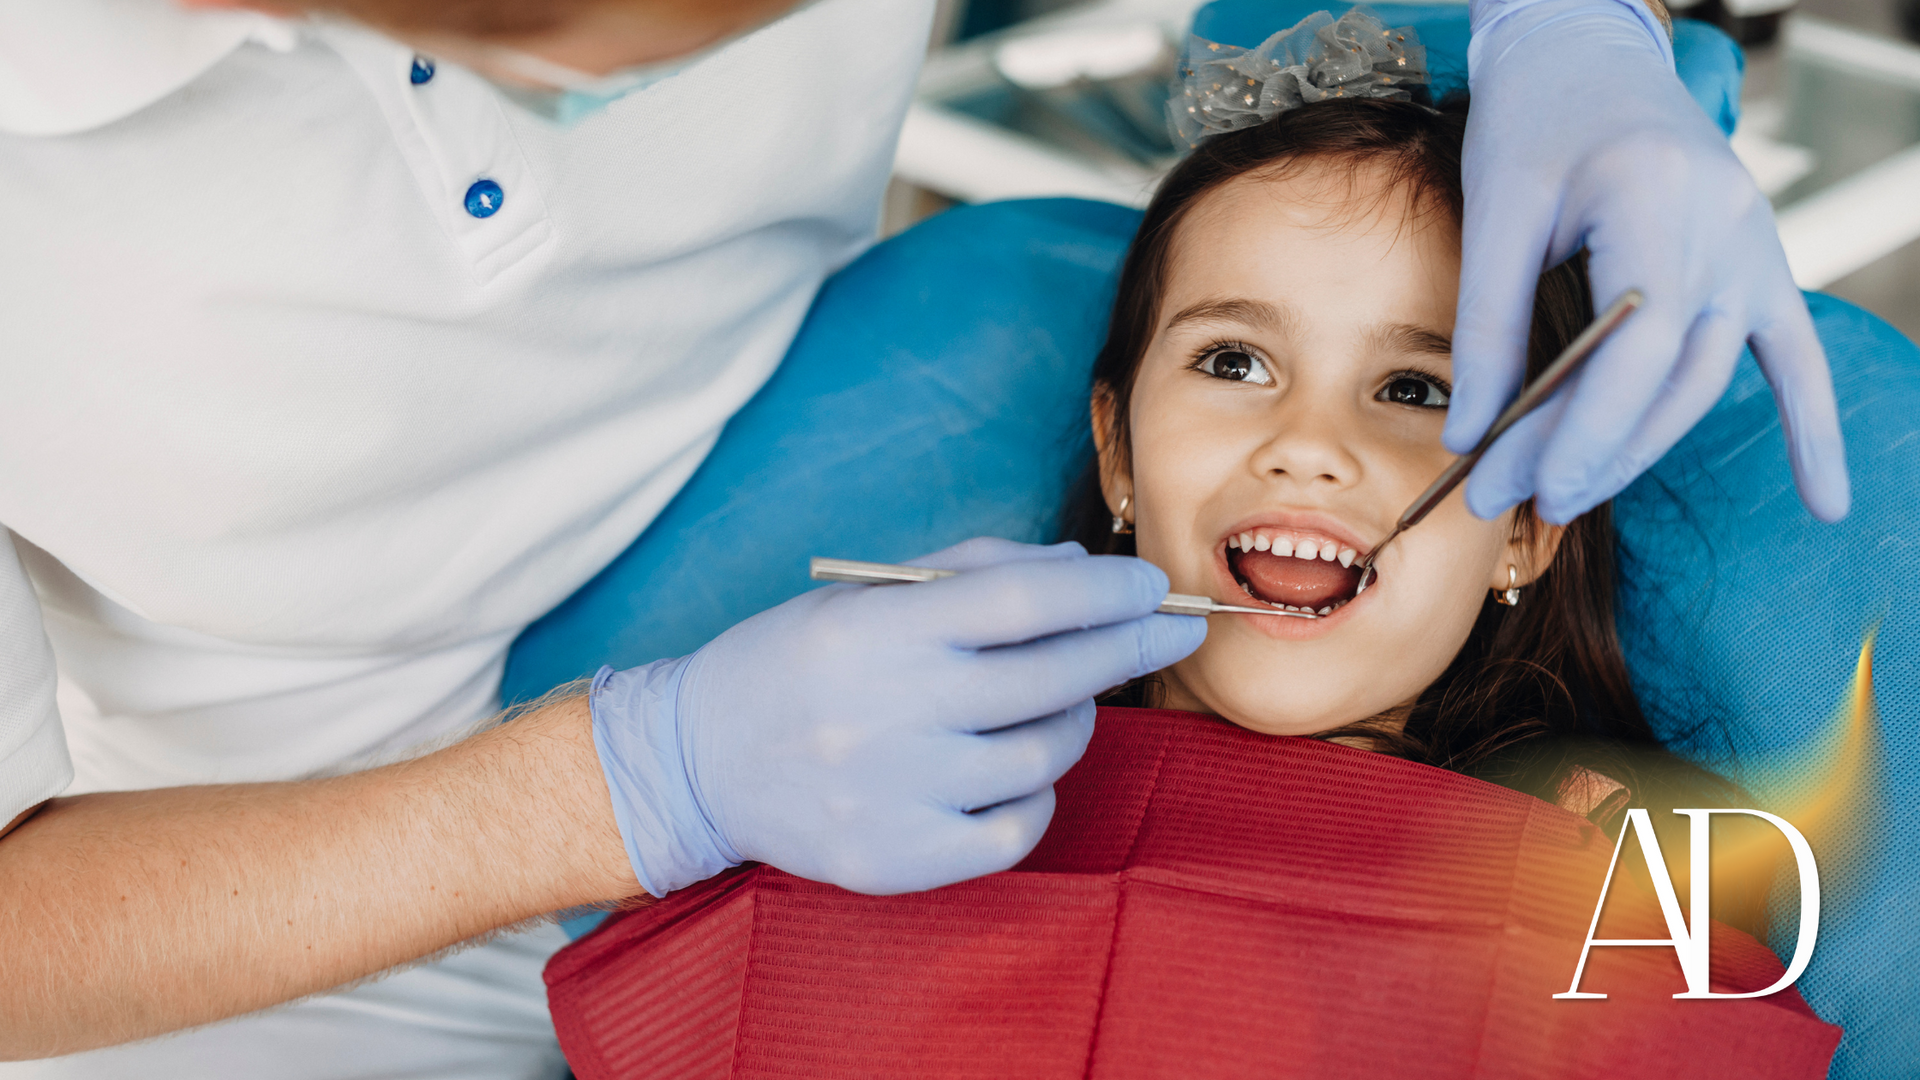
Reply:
x=1221 y=88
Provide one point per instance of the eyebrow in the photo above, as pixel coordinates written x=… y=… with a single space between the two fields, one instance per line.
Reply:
x=1255 y=313
x=1405 y=338
x=1398 y=337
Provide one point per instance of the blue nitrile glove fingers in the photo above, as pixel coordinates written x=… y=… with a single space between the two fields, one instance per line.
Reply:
x=1795 y=363
x=845 y=735
x=992 y=550
x=1026 y=600
x=1119 y=652
x=1581 y=134
x=1011 y=763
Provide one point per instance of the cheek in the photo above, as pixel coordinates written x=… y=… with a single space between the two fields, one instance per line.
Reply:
x=1450 y=558
x=1437 y=597
x=1179 y=466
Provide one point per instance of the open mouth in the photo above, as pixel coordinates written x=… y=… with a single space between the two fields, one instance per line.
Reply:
x=1304 y=573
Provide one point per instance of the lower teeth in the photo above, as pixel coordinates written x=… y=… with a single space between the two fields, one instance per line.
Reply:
x=1308 y=611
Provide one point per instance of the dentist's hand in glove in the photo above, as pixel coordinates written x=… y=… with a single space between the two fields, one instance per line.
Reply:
x=1580 y=133
x=886 y=739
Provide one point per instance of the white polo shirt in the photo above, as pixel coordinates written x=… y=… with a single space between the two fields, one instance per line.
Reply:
x=324 y=371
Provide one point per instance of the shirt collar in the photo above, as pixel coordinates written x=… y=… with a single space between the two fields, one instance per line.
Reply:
x=68 y=66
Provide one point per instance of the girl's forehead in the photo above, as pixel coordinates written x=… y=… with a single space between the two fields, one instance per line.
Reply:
x=1331 y=240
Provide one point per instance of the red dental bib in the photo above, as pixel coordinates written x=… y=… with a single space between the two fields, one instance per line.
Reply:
x=1208 y=902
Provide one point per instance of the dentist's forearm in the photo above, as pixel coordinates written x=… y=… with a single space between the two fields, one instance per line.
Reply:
x=127 y=915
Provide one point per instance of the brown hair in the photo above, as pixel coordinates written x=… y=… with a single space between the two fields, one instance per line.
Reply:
x=1538 y=691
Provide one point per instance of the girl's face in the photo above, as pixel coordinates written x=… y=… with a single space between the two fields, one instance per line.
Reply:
x=1291 y=403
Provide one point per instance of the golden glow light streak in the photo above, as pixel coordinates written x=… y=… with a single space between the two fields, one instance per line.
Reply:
x=1830 y=790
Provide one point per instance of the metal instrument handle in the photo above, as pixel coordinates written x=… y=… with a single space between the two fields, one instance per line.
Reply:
x=871 y=573
x=1183 y=604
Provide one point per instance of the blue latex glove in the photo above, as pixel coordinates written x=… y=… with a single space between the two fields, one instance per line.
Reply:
x=1581 y=133
x=885 y=739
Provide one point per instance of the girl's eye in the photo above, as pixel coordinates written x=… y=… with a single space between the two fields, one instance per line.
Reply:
x=1235 y=365
x=1420 y=391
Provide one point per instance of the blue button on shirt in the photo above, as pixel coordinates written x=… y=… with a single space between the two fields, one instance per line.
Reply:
x=484 y=198
x=422 y=70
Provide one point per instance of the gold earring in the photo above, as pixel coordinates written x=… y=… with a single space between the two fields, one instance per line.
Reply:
x=1510 y=596
x=1121 y=526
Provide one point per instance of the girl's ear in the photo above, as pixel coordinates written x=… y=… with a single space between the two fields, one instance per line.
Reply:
x=1530 y=552
x=1116 y=479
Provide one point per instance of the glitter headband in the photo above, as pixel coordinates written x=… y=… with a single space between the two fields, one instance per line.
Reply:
x=1221 y=88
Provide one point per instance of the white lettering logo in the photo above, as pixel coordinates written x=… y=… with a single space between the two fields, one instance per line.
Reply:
x=1691 y=946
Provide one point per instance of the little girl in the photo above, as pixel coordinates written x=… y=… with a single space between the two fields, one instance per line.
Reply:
x=1216 y=901
x=1270 y=399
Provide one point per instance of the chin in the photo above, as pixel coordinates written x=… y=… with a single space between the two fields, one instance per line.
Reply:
x=1254 y=708
x=1283 y=725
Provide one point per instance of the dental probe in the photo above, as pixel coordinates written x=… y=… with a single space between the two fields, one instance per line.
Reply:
x=1531 y=396
x=873 y=573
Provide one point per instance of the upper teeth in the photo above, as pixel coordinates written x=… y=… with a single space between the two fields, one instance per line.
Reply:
x=1303 y=548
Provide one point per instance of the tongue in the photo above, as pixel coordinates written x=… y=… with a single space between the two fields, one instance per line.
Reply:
x=1283 y=579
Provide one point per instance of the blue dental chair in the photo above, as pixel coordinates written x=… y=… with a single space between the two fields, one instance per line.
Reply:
x=938 y=390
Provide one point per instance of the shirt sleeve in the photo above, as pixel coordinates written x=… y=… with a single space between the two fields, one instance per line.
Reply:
x=34 y=765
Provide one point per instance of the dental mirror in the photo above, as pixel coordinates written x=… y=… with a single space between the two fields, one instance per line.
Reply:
x=1531 y=397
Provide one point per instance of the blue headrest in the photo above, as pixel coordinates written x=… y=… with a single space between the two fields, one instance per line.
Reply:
x=1709 y=62
x=1713 y=67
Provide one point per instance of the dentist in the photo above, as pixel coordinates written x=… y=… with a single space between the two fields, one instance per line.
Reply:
x=336 y=349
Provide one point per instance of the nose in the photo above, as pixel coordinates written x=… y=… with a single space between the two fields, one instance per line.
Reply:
x=1309 y=444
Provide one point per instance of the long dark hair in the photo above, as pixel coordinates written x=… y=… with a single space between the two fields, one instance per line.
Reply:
x=1540 y=692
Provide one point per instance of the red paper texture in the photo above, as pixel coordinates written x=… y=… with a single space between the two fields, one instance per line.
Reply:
x=1208 y=902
